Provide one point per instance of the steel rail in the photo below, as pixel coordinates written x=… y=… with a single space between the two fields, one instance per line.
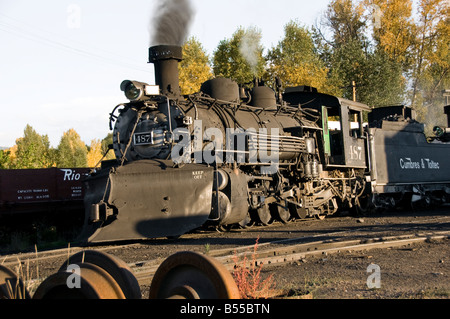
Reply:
x=145 y=269
x=290 y=253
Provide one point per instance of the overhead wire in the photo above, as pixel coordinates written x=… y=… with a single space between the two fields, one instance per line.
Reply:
x=28 y=32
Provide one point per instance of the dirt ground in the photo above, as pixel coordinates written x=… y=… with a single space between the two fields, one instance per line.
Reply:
x=419 y=271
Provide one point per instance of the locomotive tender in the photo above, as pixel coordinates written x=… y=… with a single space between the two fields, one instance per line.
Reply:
x=227 y=156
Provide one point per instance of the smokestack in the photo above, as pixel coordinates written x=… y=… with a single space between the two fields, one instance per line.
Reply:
x=165 y=59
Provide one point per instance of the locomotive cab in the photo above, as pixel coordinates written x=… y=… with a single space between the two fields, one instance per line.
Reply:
x=343 y=139
x=348 y=143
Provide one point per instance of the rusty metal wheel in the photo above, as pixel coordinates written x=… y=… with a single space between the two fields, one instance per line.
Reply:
x=281 y=212
x=247 y=222
x=11 y=287
x=298 y=212
x=263 y=216
x=114 y=266
x=92 y=282
x=189 y=275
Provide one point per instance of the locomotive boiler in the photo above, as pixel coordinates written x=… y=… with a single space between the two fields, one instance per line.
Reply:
x=233 y=156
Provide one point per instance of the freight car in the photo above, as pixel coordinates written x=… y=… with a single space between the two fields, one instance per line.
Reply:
x=230 y=155
x=30 y=195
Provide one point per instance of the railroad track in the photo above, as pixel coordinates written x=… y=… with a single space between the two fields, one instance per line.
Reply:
x=37 y=256
x=286 y=251
x=270 y=252
x=9 y=260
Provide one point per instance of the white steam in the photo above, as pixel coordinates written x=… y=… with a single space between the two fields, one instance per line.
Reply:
x=250 y=47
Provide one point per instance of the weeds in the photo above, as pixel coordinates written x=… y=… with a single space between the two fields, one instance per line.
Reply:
x=248 y=277
x=22 y=284
x=207 y=248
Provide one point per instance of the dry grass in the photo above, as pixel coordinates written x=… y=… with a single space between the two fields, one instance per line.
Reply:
x=26 y=280
x=247 y=274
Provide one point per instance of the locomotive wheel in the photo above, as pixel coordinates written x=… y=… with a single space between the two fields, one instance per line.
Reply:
x=114 y=266
x=363 y=205
x=246 y=222
x=281 y=213
x=263 y=216
x=298 y=212
x=11 y=287
x=94 y=283
x=224 y=228
x=189 y=275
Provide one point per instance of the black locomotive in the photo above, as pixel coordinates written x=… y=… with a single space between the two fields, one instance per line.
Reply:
x=227 y=156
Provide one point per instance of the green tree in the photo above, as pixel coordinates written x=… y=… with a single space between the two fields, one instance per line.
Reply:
x=430 y=69
x=344 y=51
x=382 y=83
x=195 y=68
x=351 y=57
x=346 y=20
x=32 y=151
x=108 y=140
x=393 y=28
x=5 y=159
x=295 y=60
x=94 y=154
x=241 y=57
x=72 y=152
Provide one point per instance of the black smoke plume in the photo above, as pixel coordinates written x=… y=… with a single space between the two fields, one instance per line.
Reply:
x=170 y=23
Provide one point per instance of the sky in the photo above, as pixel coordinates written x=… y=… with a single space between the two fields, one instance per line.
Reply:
x=62 y=61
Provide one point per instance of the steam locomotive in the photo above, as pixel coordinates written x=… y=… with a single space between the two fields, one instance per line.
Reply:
x=234 y=156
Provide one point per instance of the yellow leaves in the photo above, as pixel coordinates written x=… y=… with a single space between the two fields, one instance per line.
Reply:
x=303 y=74
x=33 y=151
x=73 y=139
x=94 y=155
x=395 y=31
x=194 y=69
x=192 y=76
x=13 y=152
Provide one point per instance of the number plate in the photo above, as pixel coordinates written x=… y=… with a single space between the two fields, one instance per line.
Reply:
x=143 y=138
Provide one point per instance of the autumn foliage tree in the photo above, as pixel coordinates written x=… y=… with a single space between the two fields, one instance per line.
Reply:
x=5 y=159
x=240 y=57
x=34 y=151
x=31 y=151
x=431 y=59
x=296 y=62
x=396 y=51
x=393 y=28
x=352 y=56
x=194 y=69
x=72 y=152
x=94 y=155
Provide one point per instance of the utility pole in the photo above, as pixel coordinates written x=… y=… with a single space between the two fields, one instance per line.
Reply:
x=354 y=90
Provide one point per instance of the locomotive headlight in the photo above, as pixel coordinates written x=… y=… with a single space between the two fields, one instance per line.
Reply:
x=138 y=91
x=132 y=92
